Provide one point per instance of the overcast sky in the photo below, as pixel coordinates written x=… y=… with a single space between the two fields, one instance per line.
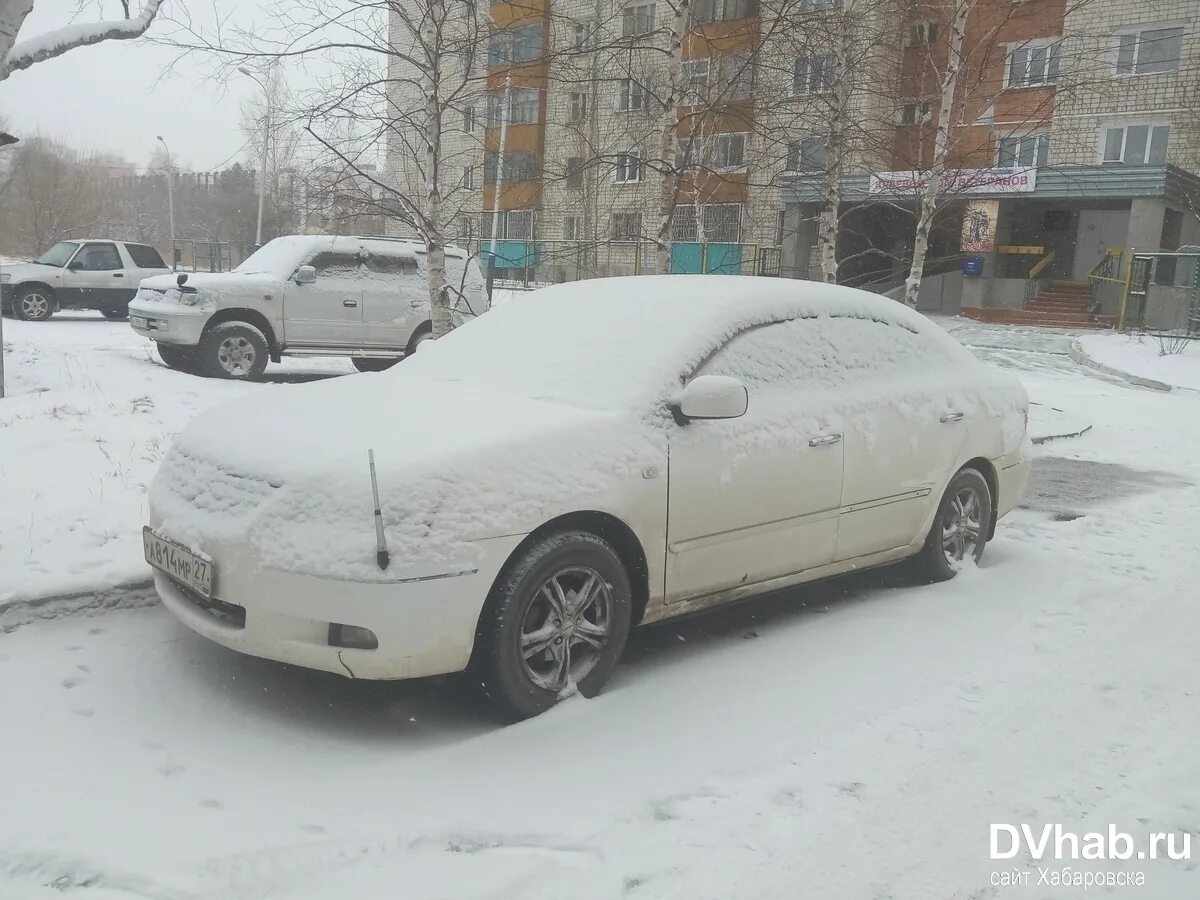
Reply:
x=111 y=97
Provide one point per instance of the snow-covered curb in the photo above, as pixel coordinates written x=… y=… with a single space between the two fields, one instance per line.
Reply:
x=1080 y=356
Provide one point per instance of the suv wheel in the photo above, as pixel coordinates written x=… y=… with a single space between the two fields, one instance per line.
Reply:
x=234 y=350
x=34 y=303
x=421 y=335
x=365 y=364
x=179 y=358
x=558 y=616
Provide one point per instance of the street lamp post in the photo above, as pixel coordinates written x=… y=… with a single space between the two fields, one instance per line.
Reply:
x=262 y=175
x=170 y=198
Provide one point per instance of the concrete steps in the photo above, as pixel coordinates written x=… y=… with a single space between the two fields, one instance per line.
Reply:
x=1062 y=305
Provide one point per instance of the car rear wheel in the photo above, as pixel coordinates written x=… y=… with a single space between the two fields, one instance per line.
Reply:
x=960 y=529
x=559 y=616
x=182 y=359
x=234 y=350
x=372 y=365
x=34 y=304
x=421 y=335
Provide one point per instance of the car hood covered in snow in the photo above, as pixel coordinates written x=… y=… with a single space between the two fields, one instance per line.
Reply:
x=30 y=271
x=287 y=469
x=209 y=287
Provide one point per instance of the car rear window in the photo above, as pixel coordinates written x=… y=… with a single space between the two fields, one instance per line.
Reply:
x=145 y=257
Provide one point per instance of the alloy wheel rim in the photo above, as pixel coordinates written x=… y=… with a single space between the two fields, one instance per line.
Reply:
x=236 y=355
x=566 y=627
x=35 y=305
x=961 y=526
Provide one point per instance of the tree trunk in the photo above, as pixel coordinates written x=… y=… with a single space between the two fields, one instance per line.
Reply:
x=12 y=16
x=829 y=220
x=941 y=149
x=670 y=125
x=435 y=241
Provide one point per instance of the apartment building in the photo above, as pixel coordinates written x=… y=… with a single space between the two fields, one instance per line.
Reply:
x=1074 y=130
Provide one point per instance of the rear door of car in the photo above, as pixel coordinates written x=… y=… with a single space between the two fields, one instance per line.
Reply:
x=905 y=427
x=145 y=262
x=328 y=312
x=393 y=294
x=96 y=277
x=756 y=498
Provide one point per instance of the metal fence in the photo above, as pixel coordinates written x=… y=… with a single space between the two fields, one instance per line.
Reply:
x=533 y=263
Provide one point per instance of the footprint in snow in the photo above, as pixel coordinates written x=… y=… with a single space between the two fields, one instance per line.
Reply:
x=169 y=770
x=212 y=804
x=84 y=711
x=313 y=829
x=95 y=631
x=71 y=681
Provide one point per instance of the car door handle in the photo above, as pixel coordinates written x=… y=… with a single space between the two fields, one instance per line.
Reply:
x=951 y=417
x=349 y=303
x=118 y=274
x=824 y=440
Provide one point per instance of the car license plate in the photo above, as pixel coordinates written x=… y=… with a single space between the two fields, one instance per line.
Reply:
x=191 y=569
x=139 y=322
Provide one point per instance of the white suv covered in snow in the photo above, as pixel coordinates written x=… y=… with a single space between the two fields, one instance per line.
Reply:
x=301 y=295
x=83 y=274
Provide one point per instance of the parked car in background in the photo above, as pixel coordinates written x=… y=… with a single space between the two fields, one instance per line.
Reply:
x=79 y=274
x=583 y=459
x=301 y=295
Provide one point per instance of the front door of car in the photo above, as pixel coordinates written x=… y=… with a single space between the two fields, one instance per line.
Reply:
x=95 y=277
x=328 y=311
x=394 y=295
x=755 y=498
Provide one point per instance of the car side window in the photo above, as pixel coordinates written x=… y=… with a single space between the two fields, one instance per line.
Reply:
x=145 y=256
x=97 y=258
x=334 y=264
x=823 y=351
x=390 y=263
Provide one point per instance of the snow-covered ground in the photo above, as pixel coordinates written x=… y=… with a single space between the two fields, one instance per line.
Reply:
x=851 y=740
x=1141 y=355
x=90 y=411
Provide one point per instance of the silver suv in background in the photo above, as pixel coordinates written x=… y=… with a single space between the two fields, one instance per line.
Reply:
x=81 y=274
x=302 y=295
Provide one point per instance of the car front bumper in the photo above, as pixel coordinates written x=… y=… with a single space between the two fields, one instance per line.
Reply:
x=424 y=625
x=170 y=323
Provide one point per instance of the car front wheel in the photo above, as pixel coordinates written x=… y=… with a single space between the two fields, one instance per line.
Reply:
x=34 y=304
x=234 y=350
x=558 y=617
x=364 y=364
x=179 y=358
x=960 y=529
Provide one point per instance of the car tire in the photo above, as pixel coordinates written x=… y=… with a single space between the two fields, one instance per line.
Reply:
x=115 y=313
x=960 y=528
x=537 y=634
x=233 y=350
x=372 y=365
x=179 y=358
x=421 y=335
x=33 y=304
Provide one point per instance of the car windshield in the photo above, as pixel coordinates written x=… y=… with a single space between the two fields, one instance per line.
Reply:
x=58 y=255
x=281 y=256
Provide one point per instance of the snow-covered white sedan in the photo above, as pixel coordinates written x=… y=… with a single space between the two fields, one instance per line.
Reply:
x=578 y=461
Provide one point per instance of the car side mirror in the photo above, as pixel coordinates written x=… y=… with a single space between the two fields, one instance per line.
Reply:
x=75 y=265
x=711 y=397
x=306 y=275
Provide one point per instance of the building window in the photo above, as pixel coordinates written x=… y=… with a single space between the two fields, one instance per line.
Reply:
x=922 y=34
x=694 y=76
x=631 y=96
x=517 y=167
x=723 y=10
x=1149 y=52
x=468 y=118
x=629 y=168
x=729 y=151
x=683 y=224
x=515 y=45
x=575 y=173
x=916 y=112
x=572 y=228
x=1029 y=150
x=1136 y=145
x=626 y=226
x=1033 y=64
x=523 y=107
x=637 y=19
x=583 y=37
x=813 y=74
x=519 y=224
x=807 y=155
x=577 y=108
x=732 y=75
x=813 y=5
x=722 y=223
x=468 y=178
